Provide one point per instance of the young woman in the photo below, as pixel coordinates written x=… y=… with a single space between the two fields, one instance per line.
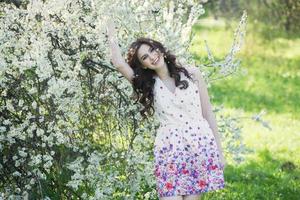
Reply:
x=187 y=150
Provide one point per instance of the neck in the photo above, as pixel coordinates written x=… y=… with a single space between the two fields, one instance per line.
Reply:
x=163 y=72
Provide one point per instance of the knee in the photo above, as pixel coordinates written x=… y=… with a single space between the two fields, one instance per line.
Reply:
x=172 y=198
x=192 y=197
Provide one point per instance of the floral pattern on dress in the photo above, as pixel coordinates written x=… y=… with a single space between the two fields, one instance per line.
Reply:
x=186 y=165
x=185 y=151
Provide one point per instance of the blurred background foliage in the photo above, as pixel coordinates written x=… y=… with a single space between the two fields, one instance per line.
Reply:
x=269 y=82
x=276 y=17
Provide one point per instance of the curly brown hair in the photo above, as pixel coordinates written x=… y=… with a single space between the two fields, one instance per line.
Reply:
x=143 y=80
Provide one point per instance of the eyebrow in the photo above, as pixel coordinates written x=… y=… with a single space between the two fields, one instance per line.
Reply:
x=146 y=54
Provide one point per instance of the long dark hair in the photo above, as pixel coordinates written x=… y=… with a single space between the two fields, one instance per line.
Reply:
x=143 y=80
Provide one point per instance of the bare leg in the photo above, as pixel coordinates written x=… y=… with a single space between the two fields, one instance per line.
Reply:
x=172 y=198
x=192 y=197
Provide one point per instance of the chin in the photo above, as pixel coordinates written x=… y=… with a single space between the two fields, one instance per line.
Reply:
x=157 y=67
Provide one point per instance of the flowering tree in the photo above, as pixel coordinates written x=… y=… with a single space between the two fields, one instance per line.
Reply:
x=69 y=129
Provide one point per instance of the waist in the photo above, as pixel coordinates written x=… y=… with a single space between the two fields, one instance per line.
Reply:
x=182 y=123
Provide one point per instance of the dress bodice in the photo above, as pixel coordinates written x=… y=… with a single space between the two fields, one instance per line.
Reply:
x=180 y=107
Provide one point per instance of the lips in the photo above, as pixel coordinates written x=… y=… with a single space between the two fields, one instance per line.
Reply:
x=156 y=61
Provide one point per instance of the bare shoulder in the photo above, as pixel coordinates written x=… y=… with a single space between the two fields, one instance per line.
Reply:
x=195 y=72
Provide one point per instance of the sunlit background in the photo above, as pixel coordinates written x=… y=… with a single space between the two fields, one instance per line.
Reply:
x=269 y=83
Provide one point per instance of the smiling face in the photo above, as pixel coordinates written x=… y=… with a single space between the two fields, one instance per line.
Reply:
x=150 y=57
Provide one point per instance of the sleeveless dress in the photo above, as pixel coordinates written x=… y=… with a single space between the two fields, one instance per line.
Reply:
x=185 y=151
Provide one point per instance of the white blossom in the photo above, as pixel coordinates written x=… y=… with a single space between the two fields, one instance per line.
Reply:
x=16 y=173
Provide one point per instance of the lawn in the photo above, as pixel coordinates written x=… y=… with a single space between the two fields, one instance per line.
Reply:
x=272 y=83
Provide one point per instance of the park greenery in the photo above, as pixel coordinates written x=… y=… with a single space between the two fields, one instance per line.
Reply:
x=69 y=127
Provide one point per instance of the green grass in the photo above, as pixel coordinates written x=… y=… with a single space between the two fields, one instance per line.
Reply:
x=260 y=178
x=273 y=84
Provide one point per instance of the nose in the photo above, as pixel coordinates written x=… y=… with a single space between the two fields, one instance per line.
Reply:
x=153 y=55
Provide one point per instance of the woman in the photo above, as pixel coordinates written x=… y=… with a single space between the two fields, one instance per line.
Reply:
x=187 y=150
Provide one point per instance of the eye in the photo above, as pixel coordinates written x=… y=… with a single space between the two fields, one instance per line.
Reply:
x=151 y=49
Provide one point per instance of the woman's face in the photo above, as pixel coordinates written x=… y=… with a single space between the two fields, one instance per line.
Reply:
x=150 y=57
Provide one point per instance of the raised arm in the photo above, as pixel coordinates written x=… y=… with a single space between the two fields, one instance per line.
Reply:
x=115 y=53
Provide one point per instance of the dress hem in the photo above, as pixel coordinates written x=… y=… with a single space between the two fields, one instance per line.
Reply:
x=196 y=192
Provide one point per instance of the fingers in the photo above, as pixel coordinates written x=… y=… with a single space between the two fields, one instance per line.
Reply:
x=110 y=27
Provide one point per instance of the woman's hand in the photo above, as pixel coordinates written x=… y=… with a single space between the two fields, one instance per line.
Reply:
x=110 y=28
x=222 y=160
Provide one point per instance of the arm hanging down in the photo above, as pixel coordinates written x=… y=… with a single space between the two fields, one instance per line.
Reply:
x=206 y=106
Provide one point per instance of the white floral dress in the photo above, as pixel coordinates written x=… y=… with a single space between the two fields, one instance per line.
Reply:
x=185 y=151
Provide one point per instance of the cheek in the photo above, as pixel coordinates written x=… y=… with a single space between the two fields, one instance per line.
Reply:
x=142 y=62
x=146 y=62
